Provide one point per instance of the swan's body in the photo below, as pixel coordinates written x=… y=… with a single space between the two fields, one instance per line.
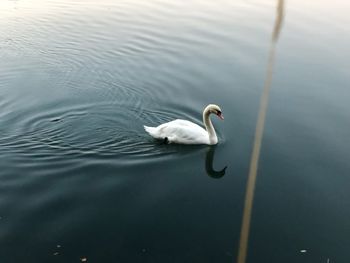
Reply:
x=186 y=132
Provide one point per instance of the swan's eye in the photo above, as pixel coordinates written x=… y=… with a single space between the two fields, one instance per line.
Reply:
x=218 y=112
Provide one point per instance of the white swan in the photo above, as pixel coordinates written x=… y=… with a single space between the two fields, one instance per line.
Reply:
x=186 y=132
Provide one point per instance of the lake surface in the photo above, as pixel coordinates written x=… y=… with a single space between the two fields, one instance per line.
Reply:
x=81 y=180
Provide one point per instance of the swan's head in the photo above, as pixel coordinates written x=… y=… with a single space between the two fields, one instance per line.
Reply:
x=212 y=108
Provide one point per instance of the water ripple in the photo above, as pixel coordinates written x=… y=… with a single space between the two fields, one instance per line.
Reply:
x=105 y=129
x=99 y=89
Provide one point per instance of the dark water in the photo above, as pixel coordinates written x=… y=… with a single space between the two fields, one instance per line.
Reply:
x=80 y=178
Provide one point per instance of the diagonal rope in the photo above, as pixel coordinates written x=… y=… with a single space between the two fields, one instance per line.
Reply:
x=254 y=162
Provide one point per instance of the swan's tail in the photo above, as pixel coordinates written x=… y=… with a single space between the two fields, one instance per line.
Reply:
x=151 y=130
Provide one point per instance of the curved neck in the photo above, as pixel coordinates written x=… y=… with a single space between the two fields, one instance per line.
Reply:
x=209 y=127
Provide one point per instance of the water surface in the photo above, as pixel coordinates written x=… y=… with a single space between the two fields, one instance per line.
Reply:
x=80 y=178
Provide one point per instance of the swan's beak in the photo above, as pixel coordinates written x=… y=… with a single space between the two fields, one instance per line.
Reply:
x=220 y=115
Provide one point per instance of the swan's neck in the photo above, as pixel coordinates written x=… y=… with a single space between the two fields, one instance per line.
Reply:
x=209 y=127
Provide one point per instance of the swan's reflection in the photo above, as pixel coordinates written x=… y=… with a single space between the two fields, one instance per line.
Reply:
x=209 y=164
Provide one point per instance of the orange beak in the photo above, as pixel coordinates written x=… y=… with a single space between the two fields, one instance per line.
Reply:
x=220 y=115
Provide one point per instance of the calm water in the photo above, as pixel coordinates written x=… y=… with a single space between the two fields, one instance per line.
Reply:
x=80 y=178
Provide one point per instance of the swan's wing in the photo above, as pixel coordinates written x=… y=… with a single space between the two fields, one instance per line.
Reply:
x=182 y=131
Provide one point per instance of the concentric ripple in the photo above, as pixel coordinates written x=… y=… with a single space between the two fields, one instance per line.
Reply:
x=105 y=128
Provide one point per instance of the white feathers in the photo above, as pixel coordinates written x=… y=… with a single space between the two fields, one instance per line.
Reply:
x=186 y=132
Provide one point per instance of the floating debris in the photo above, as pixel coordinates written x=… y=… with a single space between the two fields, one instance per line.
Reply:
x=55 y=254
x=56 y=120
x=303 y=251
x=83 y=259
x=58 y=246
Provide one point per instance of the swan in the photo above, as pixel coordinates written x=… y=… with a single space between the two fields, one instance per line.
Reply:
x=186 y=132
